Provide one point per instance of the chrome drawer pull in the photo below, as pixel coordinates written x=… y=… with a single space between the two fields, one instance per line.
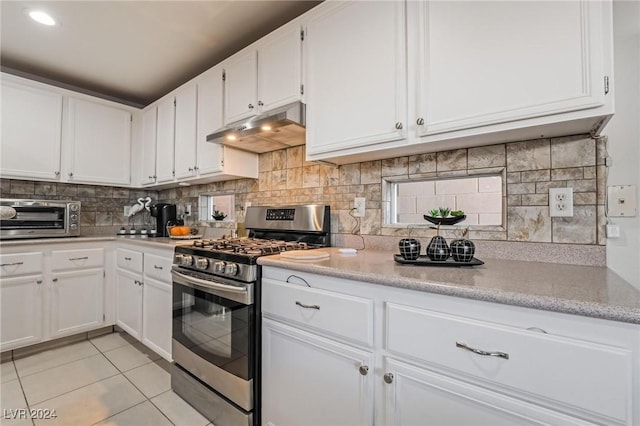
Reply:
x=302 y=305
x=538 y=329
x=79 y=258
x=157 y=267
x=127 y=258
x=12 y=264
x=364 y=369
x=481 y=352
x=300 y=278
x=388 y=378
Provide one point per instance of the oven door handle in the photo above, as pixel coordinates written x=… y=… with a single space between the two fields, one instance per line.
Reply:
x=239 y=294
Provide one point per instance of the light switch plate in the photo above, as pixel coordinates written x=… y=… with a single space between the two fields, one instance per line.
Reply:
x=621 y=201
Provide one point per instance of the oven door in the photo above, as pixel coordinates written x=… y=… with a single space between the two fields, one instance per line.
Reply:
x=214 y=334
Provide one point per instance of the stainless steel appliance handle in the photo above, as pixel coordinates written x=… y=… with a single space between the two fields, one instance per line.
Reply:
x=243 y=294
x=481 y=352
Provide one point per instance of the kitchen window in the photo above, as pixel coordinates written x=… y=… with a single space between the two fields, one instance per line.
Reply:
x=481 y=198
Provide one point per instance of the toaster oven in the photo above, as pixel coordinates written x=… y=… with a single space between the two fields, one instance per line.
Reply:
x=39 y=218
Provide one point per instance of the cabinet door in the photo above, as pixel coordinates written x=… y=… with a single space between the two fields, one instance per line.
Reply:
x=185 y=132
x=149 y=120
x=279 y=68
x=309 y=380
x=240 y=94
x=482 y=62
x=209 y=120
x=99 y=143
x=156 y=316
x=164 y=141
x=356 y=77
x=415 y=396
x=77 y=301
x=31 y=132
x=129 y=302
x=21 y=310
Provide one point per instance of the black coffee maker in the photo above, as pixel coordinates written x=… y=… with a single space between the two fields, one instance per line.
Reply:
x=165 y=214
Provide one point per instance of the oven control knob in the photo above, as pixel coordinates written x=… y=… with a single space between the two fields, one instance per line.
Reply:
x=177 y=259
x=187 y=260
x=231 y=269
x=218 y=267
x=202 y=263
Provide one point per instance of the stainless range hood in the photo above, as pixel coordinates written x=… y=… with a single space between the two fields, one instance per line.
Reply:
x=273 y=130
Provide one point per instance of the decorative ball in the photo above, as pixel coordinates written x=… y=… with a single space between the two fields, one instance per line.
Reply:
x=438 y=250
x=409 y=248
x=462 y=250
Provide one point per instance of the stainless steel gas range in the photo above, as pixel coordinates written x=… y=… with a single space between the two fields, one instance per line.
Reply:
x=216 y=310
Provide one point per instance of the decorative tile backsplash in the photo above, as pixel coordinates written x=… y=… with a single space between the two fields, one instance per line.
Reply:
x=532 y=167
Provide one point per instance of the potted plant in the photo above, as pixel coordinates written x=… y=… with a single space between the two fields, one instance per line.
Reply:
x=218 y=215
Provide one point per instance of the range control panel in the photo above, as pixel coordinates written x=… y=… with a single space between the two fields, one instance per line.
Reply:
x=280 y=214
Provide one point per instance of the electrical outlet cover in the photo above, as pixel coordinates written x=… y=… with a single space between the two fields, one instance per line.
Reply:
x=561 y=202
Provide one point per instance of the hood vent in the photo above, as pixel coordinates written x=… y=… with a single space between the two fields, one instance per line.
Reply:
x=273 y=130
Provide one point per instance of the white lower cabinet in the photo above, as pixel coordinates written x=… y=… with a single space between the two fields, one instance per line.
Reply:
x=436 y=360
x=50 y=293
x=21 y=311
x=417 y=396
x=311 y=380
x=77 y=301
x=143 y=297
x=129 y=302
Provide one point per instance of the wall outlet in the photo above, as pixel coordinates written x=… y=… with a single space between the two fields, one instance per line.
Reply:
x=359 y=205
x=561 y=202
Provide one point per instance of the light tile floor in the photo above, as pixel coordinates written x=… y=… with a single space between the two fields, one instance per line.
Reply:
x=110 y=380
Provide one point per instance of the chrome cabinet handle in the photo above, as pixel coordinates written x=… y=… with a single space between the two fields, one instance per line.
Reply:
x=79 y=258
x=127 y=258
x=12 y=264
x=481 y=352
x=70 y=174
x=157 y=267
x=152 y=177
x=420 y=121
x=260 y=103
x=399 y=125
x=364 y=369
x=302 y=305
x=300 y=278
x=388 y=378
x=137 y=282
x=190 y=169
x=39 y=282
x=538 y=329
x=55 y=280
x=196 y=168
x=250 y=106
x=57 y=173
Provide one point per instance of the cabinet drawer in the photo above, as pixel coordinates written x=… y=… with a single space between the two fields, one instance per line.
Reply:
x=547 y=366
x=74 y=259
x=12 y=265
x=129 y=259
x=158 y=267
x=337 y=314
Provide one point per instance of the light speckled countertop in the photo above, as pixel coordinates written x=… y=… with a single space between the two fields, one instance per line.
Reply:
x=581 y=290
x=135 y=239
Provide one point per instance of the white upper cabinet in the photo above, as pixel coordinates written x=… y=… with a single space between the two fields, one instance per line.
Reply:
x=241 y=90
x=210 y=89
x=31 y=130
x=279 y=68
x=264 y=76
x=356 y=95
x=481 y=63
x=148 y=141
x=165 y=171
x=185 y=131
x=99 y=142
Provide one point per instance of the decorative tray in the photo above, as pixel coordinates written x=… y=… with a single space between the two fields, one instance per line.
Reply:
x=444 y=220
x=423 y=260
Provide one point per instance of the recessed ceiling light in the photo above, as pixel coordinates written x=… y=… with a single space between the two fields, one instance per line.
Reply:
x=42 y=17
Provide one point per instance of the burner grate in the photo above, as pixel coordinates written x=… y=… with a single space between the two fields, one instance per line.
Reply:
x=249 y=246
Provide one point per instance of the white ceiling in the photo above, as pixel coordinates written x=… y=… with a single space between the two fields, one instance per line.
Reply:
x=134 y=51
